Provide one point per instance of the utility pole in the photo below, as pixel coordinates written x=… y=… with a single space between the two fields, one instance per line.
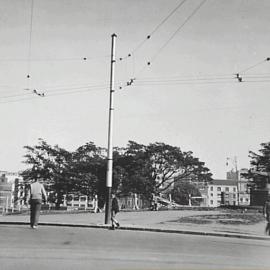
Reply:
x=110 y=144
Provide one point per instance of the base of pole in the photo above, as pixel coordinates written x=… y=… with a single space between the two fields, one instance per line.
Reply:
x=108 y=205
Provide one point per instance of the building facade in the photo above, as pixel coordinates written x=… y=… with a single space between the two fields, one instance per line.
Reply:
x=222 y=192
x=231 y=191
x=12 y=191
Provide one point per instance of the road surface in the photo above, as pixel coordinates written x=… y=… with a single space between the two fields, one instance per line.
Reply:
x=87 y=248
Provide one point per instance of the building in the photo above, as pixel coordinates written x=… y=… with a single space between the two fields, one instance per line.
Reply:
x=243 y=189
x=222 y=192
x=73 y=201
x=12 y=191
x=242 y=185
x=231 y=191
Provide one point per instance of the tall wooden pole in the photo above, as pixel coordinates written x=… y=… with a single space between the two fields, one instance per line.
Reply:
x=110 y=137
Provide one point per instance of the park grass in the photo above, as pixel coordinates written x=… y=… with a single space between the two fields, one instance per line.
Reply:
x=225 y=218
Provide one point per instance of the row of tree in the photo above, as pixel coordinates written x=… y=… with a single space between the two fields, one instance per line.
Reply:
x=143 y=169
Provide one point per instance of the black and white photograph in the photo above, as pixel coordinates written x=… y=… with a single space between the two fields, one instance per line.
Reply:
x=135 y=134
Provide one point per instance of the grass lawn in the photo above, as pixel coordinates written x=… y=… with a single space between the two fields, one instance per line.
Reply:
x=226 y=217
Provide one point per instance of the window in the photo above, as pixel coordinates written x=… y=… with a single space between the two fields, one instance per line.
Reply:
x=211 y=188
x=241 y=199
x=218 y=188
x=234 y=189
x=234 y=196
x=211 y=194
x=211 y=202
x=227 y=189
x=246 y=199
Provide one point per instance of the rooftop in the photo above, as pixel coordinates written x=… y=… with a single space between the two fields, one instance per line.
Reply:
x=223 y=182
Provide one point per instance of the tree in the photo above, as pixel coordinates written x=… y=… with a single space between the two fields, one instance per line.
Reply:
x=168 y=165
x=259 y=172
x=89 y=166
x=183 y=192
x=132 y=176
x=52 y=164
x=157 y=167
x=65 y=172
x=137 y=168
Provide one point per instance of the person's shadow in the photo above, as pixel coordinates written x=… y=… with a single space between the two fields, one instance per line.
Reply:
x=267 y=228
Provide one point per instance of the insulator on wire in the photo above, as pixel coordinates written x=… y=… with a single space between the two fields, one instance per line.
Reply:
x=28 y=76
x=120 y=58
x=148 y=37
x=148 y=63
x=84 y=58
x=129 y=54
x=268 y=59
x=238 y=77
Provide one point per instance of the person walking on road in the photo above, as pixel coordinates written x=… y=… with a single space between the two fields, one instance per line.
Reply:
x=115 y=210
x=266 y=212
x=36 y=193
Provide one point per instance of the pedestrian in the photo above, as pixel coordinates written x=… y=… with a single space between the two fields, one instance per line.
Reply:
x=114 y=211
x=95 y=204
x=154 y=203
x=266 y=212
x=136 y=206
x=35 y=195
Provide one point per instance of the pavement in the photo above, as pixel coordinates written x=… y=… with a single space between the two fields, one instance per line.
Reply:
x=156 y=221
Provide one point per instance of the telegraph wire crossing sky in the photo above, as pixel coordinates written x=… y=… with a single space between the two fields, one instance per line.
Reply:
x=193 y=74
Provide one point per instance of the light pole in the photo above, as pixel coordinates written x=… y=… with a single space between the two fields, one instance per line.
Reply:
x=110 y=144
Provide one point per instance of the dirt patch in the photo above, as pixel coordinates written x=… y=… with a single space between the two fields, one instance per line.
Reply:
x=224 y=218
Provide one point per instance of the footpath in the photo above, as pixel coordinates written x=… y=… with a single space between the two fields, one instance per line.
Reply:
x=156 y=221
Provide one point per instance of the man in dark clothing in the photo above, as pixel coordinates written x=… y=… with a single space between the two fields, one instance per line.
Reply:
x=115 y=210
x=266 y=212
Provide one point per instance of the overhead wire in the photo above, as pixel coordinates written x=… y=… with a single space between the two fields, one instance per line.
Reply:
x=153 y=31
x=11 y=96
x=30 y=40
x=58 y=92
x=30 y=59
x=241 y=74
x=82 y=89
x=144 y=81
x=86 y=58
x=210 y=79
x=253 y=66
x=17 y=100
x=149 y=62
x=176 y=32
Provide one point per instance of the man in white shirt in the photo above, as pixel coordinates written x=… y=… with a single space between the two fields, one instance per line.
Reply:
x=35 y=195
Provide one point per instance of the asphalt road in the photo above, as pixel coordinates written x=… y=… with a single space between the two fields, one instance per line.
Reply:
x=87 y=248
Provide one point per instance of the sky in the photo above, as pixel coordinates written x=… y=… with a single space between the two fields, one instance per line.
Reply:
x=187 y=96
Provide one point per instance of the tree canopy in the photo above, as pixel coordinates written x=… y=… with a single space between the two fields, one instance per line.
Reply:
x=65 y=172
x=158 y=166
x=137 y=168
x=259 y=172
